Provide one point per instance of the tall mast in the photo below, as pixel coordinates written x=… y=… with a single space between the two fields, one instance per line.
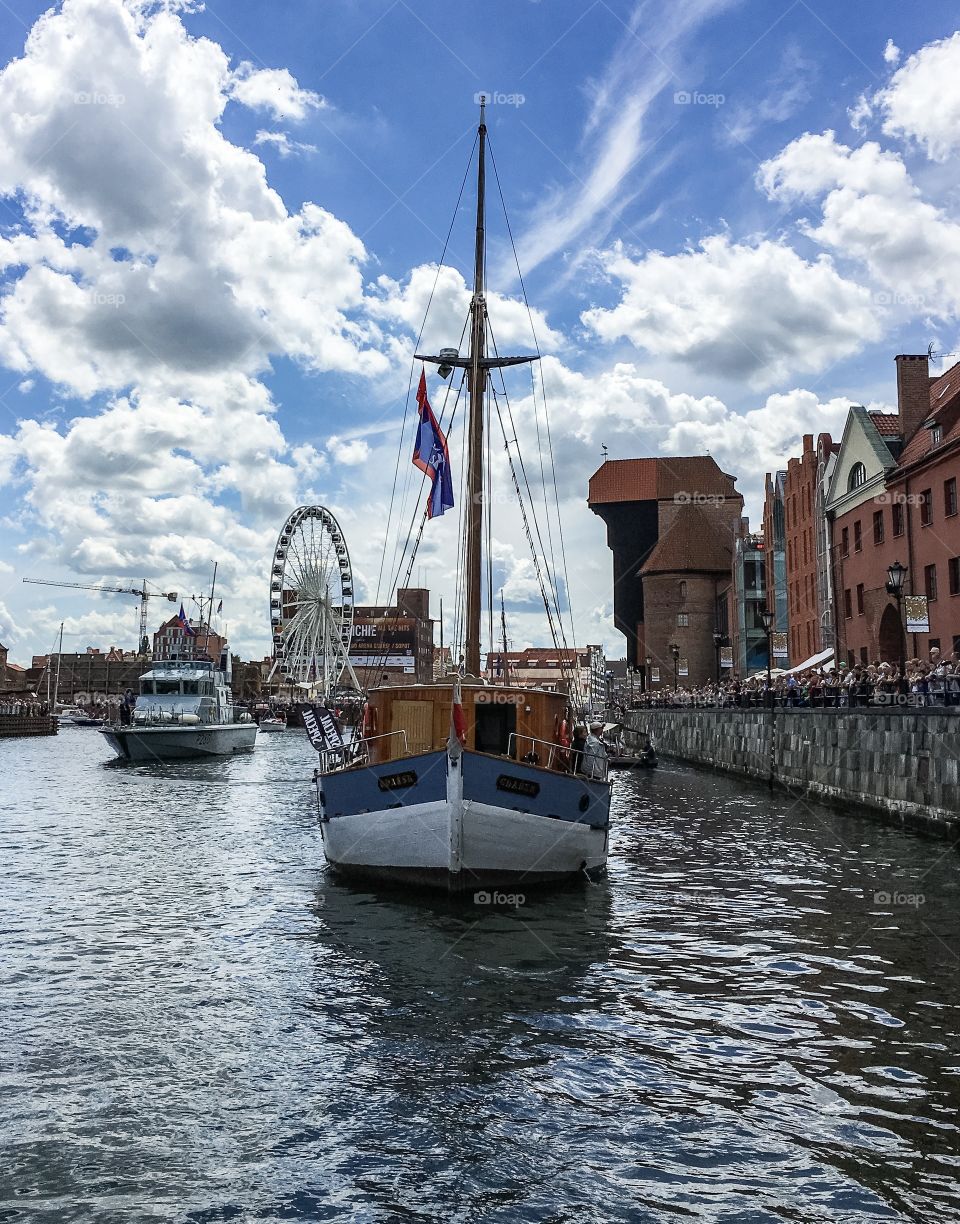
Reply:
x=477 y=365
x=477 y=384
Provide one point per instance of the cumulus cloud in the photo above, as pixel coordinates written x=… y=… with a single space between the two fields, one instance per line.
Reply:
x=922 y=101
x=757 y=311
x=871 y=211
x=273 y=89
x=282 y=143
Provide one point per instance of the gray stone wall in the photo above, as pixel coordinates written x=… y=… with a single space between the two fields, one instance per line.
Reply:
x=904 y=765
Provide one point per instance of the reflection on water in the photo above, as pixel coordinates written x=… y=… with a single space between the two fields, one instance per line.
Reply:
x=753 y=1018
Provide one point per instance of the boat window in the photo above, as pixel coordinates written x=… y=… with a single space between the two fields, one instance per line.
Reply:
x=146 y=686
x=168 y=686
x=189 y=686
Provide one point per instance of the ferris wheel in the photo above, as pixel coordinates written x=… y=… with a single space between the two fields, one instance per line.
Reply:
x=311 y=601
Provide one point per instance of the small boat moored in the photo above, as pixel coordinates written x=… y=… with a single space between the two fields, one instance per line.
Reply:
x=273 y=724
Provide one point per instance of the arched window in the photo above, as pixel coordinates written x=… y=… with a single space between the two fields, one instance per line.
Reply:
x=683 y=591
x=858 y=476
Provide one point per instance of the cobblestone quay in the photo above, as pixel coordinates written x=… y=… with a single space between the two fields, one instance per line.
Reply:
x=905 y=765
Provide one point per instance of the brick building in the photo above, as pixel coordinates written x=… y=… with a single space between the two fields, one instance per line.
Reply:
x=172 y=641
x=394 y=644
x=671 y=525
x=893 y=497
x=546 y=667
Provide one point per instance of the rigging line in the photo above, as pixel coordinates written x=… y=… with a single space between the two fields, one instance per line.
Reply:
x=526 y=526
x=488 y=508
x=526 y=480
x=543 y=391
x=423 y=476
x=397 y=560
x=569 y=671
x=423 y=324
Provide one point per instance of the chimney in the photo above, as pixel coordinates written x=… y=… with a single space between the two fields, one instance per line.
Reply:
x=913 y=393
x=807 y=445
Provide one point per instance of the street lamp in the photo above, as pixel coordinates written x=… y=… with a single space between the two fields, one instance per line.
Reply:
x=768 y=619
x=718 y=641
x=896 y=575
x=648 y=674
x=675 y=651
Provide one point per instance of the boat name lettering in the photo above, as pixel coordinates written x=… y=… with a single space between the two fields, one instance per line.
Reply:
x=397 y=781
x=518 y=786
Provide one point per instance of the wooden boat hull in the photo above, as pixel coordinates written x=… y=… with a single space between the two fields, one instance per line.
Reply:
x=463 y=825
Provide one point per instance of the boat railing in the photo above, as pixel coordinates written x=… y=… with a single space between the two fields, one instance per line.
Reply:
x=355 y=751
x=558 y=756
x=555 y=755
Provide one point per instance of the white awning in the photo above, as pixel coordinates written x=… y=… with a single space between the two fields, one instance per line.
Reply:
x=825 y=656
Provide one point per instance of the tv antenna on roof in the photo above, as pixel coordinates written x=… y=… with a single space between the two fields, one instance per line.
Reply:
x=603 y=451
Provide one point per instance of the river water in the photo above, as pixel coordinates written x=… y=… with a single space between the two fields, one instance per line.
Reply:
x=755 y=1017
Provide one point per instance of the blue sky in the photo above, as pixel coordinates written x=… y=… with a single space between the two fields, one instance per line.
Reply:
x=218 y=231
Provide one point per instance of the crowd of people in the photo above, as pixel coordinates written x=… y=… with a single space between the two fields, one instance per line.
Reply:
x=23 y=708
x=931 y=682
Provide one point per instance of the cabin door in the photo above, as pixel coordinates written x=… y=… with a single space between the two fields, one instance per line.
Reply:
x=416 y=718
x=494 y=724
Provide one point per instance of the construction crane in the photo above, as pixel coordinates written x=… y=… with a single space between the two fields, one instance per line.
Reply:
x=141 y=592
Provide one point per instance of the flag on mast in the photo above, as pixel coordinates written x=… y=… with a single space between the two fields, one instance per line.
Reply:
x=184 y=623
x=219 y=607
x=431 y=456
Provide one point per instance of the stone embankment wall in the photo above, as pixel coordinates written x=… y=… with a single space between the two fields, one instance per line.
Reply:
x=903 y=765
x=27 y=724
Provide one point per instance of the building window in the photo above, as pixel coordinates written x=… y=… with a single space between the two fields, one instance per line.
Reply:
x=845 y=542
x=858 y=476
x=953 y=567
x=847 y=605
x=859 y=599
x=878 y=526
x=683 y=590
x=857 y=537
x=926 y=508
x=683 y=619
x=950 y=496
x=896 y=511
x=936 y=435
x=864 y=656
x=930 y=582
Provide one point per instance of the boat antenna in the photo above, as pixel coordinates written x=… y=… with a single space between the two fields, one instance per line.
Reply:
x=503 y=631
x=56 y=683
x=213 y=586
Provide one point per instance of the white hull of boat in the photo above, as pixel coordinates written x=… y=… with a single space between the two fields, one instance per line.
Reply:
x=462 y=845
x=269 y=725
x=179 y=743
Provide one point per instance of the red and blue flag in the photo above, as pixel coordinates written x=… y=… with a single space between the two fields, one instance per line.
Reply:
x=431 y=456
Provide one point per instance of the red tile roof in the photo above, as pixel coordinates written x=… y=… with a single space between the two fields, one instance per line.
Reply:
x=659 y=479
x=690 y=544
x=887 y=423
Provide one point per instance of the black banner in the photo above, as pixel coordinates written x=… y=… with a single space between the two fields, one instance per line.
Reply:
x=322 y=728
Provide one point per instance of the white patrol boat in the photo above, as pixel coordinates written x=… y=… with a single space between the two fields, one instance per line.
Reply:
x=185 y=709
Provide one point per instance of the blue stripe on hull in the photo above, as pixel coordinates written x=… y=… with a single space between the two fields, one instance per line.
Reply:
x=500 y=782
x=394 y=784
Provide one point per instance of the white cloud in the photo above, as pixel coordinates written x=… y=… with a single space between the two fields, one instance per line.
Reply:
x=755 y=311
x=275 y=90
x=615 y=136
x=8 y=628
x=350 y=453
x=922 y=101
x=282 y=143
x=871 y=211
x=891 y=52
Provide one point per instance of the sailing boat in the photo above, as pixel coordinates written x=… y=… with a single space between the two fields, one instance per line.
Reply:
x=460 y=784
